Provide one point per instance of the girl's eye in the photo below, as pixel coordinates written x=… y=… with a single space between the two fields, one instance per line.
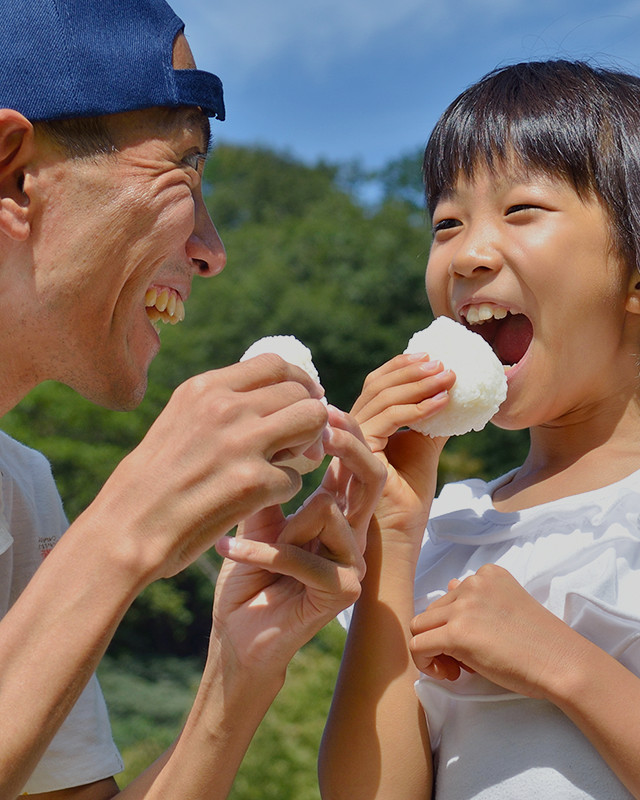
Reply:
x=521 y=207
x=445 y=224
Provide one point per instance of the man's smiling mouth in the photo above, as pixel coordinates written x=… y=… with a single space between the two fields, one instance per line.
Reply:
x=164 y=304
x=509 y=334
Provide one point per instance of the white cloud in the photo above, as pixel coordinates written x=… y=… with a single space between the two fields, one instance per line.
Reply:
x=250 y=33
x=247 y=35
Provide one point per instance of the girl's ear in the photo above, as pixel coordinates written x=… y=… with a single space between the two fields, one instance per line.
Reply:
x=633 y=295
x=16 y=149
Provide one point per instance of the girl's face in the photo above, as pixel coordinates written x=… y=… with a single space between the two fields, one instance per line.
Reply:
x=530 y=265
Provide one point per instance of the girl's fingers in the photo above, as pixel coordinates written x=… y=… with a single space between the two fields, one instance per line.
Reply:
x=403 y=384
x=388 y=374
x=404 y=405
x=442 y=668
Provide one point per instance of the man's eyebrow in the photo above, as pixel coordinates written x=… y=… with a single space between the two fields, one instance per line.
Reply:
x=206 y=134
x=200 y=120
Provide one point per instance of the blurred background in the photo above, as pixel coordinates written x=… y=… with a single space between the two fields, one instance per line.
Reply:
x=314 y=184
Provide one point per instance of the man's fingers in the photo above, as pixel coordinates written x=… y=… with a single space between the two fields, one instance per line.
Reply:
x=266 y=369
x=346 y=422
x=319 y=522
x=311 y=569
x=322 y=522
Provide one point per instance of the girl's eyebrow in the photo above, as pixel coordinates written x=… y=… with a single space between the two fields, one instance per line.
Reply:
x=447 y=193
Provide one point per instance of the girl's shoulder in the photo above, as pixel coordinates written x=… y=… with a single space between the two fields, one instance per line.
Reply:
x=464 y=511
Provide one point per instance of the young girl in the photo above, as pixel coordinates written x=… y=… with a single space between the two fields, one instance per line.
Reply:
x=527 y=588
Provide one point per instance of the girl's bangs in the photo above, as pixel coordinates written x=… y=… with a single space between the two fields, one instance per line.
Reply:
x=530 y=125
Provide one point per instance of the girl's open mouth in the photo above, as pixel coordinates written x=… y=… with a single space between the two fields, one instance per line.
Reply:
x=509 y=336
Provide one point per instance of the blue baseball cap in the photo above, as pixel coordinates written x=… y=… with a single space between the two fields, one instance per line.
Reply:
x=85 y=58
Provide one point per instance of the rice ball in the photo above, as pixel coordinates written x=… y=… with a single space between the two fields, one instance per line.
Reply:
x=295 y=352
x=481 y=384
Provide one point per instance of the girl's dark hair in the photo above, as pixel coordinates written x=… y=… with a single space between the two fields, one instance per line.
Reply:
x=564 y=118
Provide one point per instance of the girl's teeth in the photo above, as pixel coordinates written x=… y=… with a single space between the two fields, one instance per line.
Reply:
x=478 y=314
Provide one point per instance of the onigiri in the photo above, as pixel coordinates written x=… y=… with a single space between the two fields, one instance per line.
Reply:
x=481 y=384
x=295 y=352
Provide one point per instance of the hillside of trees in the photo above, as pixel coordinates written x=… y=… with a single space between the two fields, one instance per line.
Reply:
x=335 y=256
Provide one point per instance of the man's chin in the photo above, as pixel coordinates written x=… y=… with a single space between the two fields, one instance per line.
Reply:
x=116 y=396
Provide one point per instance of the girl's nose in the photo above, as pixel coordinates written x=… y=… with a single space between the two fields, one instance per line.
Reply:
x=477 y=252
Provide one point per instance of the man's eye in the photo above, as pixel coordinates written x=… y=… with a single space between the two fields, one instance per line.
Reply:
x=195 y=161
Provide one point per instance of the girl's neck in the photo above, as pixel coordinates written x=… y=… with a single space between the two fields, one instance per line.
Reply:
x=570 y=459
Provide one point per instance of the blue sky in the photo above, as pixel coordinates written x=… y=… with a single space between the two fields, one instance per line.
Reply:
x=366 y=79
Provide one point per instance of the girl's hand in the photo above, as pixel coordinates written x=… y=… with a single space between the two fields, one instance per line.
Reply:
x=402 y=391
x=489 y=624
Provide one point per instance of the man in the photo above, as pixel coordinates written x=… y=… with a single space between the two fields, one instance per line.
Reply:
x=103 y=131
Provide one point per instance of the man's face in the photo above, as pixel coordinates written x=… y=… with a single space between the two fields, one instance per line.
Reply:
x=113 y=231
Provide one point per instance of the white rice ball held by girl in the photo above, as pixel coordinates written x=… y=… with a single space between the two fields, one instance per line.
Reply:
x=495 y=648
x=480 y=386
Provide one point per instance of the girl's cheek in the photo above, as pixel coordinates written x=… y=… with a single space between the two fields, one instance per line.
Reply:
x=436 y=293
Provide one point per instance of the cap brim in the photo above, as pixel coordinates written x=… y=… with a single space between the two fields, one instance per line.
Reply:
x=198 y=88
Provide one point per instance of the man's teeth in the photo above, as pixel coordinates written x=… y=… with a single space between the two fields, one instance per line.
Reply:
x=476 y=315
x=164 y=304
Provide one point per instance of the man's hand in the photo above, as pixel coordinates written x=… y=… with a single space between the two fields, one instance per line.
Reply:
x=292 y=576
x=206 y=463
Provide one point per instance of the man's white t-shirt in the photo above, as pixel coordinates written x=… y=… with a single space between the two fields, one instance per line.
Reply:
x=31 y=521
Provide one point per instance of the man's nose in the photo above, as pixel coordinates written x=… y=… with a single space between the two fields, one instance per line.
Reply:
x=205 y=248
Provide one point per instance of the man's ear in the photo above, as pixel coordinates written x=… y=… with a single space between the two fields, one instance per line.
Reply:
x=16 y=149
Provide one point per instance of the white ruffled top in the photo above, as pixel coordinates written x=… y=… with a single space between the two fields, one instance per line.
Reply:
x=579 y=557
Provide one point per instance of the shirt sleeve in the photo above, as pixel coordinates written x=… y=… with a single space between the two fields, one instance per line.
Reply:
x=82 y=751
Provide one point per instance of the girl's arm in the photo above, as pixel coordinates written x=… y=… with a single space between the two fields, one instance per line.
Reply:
x=375 y=743
x=490 y=624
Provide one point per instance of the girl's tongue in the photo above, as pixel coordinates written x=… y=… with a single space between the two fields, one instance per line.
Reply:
x=509 y=337
x=513 y=337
